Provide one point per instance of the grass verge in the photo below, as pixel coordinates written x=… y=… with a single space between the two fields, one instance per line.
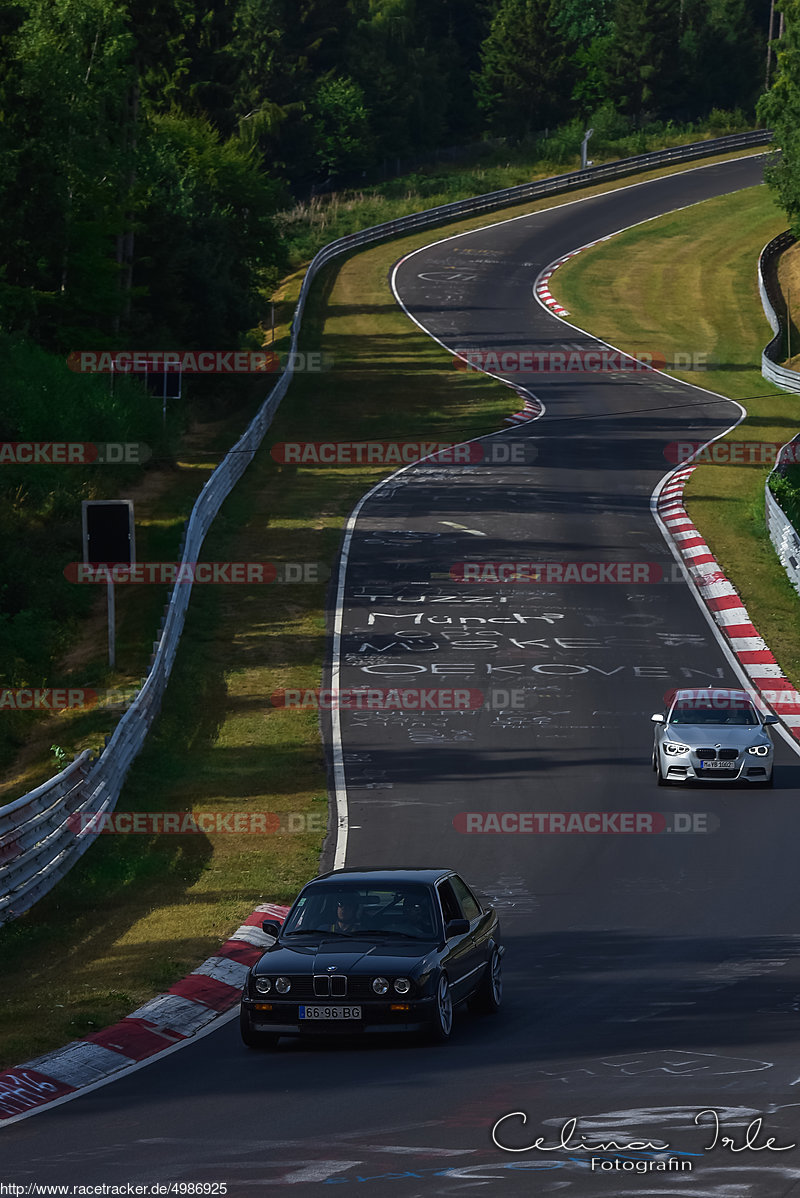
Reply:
x=686 y=283
x=140 y=911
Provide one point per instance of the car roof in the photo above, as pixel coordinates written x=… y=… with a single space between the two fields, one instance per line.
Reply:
x=374 y=877
x=709 y=693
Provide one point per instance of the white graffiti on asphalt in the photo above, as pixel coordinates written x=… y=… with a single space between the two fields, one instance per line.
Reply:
x=678 y=1062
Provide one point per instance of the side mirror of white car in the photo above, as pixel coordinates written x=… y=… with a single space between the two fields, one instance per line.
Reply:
x=657 y=719
x=770 y=719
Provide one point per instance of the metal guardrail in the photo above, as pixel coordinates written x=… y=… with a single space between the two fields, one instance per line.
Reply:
x=783 y=535
x=40 y=836
x=774 y=307
x=782 y=532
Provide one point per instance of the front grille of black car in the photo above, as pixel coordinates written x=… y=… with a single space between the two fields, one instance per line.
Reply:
x=309 y=988
x=327 y=985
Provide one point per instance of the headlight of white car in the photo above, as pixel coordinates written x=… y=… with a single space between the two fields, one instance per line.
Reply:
x=759 y=750
x=674 y=749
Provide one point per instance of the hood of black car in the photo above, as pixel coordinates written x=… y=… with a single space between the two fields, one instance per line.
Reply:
x=344 y=956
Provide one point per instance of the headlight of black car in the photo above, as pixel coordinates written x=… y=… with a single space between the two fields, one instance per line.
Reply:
x=263 y=985
x=402 y=985
x=380 y=985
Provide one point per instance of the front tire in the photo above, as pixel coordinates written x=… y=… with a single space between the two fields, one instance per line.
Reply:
x=442 y=1023
x=487 y=998
x=258 y=1041
x=660 y=779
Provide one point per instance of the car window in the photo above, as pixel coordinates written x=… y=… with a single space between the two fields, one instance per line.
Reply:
x=466 y=898
x=405 y=908
x=735 y=713
x=450 y=907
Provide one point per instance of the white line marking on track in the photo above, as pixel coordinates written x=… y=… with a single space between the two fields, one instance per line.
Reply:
x=473 y=532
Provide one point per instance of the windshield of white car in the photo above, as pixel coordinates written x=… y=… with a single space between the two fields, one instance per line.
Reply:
x=683 y=714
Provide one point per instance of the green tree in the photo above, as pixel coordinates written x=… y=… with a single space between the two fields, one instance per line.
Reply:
x=63 y=194
x=779 y=109
x=582 y=20
x=722 y=52
x=281 y=49
x=396 y=59
x=454 y=32
x=522 y=84
x=590 y=65
x=342 y=137
x=642 y=56
x=206 y=234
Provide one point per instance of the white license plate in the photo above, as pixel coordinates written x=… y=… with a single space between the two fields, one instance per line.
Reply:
x=330 y=1012
x=717 y=765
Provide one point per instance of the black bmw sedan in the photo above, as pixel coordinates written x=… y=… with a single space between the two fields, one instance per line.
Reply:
x=374 y=951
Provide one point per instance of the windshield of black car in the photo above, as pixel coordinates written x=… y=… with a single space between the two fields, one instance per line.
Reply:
x=743 y=714
x=404 y=910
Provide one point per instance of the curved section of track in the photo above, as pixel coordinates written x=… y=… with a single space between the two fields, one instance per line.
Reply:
x=649 y=976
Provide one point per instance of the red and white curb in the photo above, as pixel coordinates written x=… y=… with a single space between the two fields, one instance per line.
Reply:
x=542 y=286
x=193 y=1003
x=531 y=410
x=725 y=605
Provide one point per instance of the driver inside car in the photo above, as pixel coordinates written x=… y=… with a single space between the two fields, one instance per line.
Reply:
x=346 y=915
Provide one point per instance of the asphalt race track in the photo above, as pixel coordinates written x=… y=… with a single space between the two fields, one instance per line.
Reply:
x=649 y=976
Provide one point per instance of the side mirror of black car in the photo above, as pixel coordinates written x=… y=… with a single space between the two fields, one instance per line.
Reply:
x=271 y=927
x=457 y=927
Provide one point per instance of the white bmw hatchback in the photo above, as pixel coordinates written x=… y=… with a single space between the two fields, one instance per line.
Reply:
x=712 y=735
